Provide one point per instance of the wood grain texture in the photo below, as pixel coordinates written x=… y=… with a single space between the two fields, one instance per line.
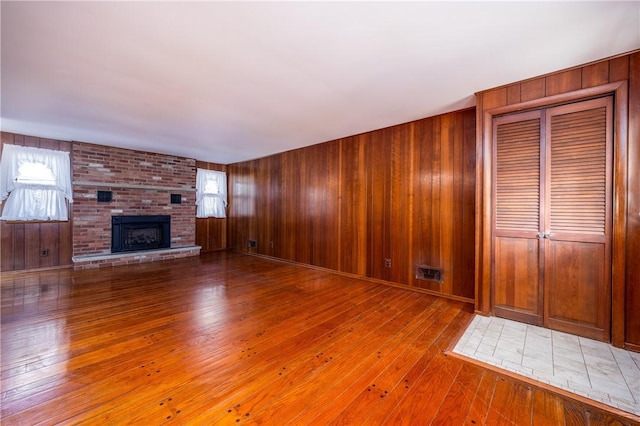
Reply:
x=226 y=338
x=532 y=89
x=576 y=291
x=404 y=193
x=494 y=98
x=562 y=82
x=378 y=148
x=517 y=279
x=464 y=259
x=595 y=74
x=514 y=94
x=352 y=219
x=632 y=291
x=626 y=227
x=619 y=68
x=23 y=242
x=7 y=247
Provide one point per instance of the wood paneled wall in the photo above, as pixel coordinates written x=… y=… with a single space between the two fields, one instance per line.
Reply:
x=23 y=242
x=404 y=193
x=632 y=290
x=211 y=233
x=554 y=88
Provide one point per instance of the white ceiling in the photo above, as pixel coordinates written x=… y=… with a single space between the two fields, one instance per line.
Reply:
x=230 y=81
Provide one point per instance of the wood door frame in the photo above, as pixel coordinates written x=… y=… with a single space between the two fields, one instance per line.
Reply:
x=484 y=203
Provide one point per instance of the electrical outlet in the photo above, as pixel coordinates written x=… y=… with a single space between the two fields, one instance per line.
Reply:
x=253 y=244
x=44 y=252
x=387 y=263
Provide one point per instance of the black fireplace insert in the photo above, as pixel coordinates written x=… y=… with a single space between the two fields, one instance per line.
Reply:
x=137 y=233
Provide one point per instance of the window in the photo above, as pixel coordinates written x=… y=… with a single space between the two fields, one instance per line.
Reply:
x=35 y=182
x=211 y=193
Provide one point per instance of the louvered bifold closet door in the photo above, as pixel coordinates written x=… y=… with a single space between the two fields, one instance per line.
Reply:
x=578 y=218
x=517 y=215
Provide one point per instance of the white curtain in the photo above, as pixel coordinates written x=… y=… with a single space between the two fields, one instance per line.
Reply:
x=211 y=193
x=35 y=183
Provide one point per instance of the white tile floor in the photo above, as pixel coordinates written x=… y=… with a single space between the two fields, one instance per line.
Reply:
x=586 y=367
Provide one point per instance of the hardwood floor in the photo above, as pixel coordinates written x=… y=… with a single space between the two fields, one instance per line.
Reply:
x=228 y=338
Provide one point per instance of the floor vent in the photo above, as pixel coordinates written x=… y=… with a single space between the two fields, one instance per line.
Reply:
x=429 y=273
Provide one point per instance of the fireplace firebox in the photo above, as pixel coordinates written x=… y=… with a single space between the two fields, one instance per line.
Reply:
x=137 y=233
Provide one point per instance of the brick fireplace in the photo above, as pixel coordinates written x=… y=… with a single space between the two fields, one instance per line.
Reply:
x=138 y=184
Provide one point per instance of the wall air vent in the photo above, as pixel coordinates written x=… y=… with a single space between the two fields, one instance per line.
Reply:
x=429 y=273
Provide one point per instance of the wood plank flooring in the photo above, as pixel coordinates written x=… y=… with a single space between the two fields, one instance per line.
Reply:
x=226 y=338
